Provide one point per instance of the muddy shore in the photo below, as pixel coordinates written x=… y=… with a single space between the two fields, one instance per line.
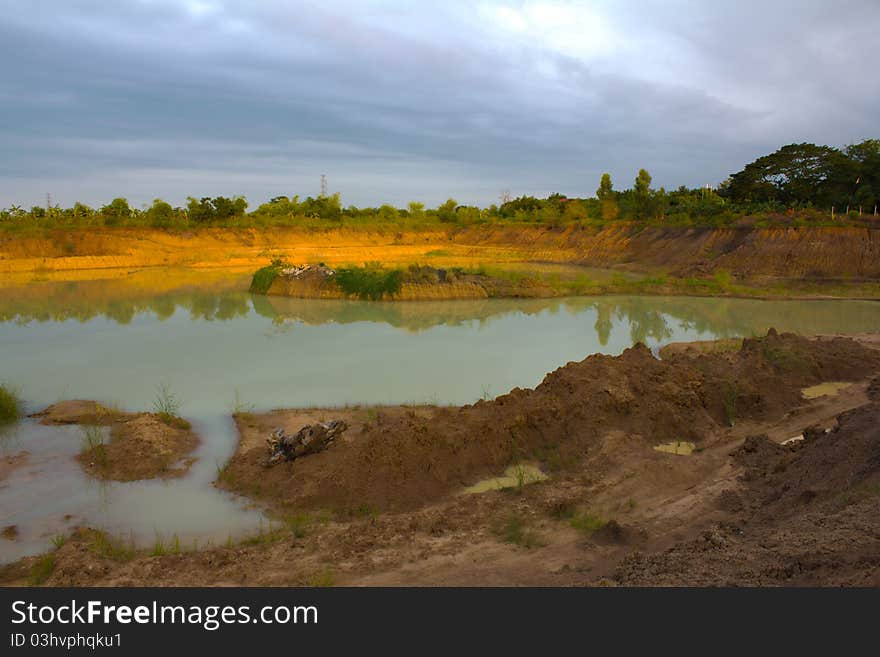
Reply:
x=386 y=503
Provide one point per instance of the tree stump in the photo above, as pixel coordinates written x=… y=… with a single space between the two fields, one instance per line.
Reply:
x=311 y=439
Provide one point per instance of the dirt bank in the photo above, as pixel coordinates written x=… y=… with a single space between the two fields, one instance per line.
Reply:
x=820 y=253
x=140 y=445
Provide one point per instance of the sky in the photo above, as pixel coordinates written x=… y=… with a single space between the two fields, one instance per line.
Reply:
x=396 y=100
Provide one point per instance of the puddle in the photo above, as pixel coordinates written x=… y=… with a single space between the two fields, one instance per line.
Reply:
x=516 y=475
x=681 y=447
x=827 y=389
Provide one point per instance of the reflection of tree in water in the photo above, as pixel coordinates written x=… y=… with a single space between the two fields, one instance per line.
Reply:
x=649 y=318
x=603 y=322
x=413 y=316
x=86 y=301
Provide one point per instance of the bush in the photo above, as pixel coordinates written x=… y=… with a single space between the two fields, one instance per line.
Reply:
x=263 y=278
x=10 y=405
x=371 y=281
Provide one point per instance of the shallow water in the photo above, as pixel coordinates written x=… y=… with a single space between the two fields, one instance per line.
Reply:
x=218 y=348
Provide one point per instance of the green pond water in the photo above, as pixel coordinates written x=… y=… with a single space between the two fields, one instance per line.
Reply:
x=69 y=341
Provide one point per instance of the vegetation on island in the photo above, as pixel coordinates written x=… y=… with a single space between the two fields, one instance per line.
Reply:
x=802 y=183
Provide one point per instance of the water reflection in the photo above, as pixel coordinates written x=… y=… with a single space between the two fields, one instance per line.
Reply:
x=648 y=318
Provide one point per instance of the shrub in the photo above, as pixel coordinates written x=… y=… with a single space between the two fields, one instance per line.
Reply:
x=371 y=281
x=10 y=405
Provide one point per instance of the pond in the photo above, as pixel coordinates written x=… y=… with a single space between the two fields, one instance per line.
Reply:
x=220 y=348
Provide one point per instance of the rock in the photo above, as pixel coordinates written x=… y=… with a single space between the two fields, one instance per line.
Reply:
x=310 y=439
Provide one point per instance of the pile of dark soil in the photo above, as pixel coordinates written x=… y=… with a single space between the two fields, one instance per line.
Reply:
x=806 y=515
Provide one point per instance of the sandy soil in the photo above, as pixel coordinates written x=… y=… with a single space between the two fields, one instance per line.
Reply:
x=384 y=504
x=141 y=445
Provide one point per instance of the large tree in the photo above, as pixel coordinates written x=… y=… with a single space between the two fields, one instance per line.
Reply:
x=796 y=173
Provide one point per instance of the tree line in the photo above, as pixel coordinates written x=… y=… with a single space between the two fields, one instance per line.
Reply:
x=812 y=181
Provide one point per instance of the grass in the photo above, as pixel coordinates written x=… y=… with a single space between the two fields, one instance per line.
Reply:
x=299 y=524
x=241 y=407
x=175 y=421
x=42 y=569
x=166 y=402
x=785 y=360
x=366 y=511
x=223 y=473
x=173 y=546
x=514 y=530
x=93 y=443
x=10 y=405
x=587 y=522
x=322 y=578
x=264 y=277
x=372 y=281
x=108 y=547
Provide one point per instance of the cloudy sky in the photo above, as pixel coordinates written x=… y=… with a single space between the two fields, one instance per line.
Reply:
x=398 y=100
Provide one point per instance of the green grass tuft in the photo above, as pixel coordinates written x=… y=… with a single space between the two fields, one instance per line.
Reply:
x=587 y=522
x=42 y=569
x=513 y=530
x=10 y=405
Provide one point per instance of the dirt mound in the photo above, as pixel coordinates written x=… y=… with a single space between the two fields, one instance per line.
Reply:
x=77 y=411
x=143 y=446
x=405 y=459
x=807 y=515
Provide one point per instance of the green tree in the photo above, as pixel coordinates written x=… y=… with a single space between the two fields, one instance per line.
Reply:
x=116 y=212
x=607 y=198
x=642 y=194
x=160 y=214
x=446 y=211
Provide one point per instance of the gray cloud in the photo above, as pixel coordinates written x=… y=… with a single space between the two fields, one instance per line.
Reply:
x=396 y=100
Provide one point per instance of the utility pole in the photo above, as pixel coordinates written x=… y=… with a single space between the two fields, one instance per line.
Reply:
x=324 y=184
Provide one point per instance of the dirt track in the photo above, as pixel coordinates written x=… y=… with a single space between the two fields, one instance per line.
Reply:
x=384 y=505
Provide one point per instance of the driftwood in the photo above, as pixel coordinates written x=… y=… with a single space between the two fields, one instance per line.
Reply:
x=310 y=439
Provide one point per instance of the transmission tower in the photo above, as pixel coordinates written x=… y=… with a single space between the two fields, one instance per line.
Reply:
x=48 y=201
x=323 y=184
x=505 y=196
